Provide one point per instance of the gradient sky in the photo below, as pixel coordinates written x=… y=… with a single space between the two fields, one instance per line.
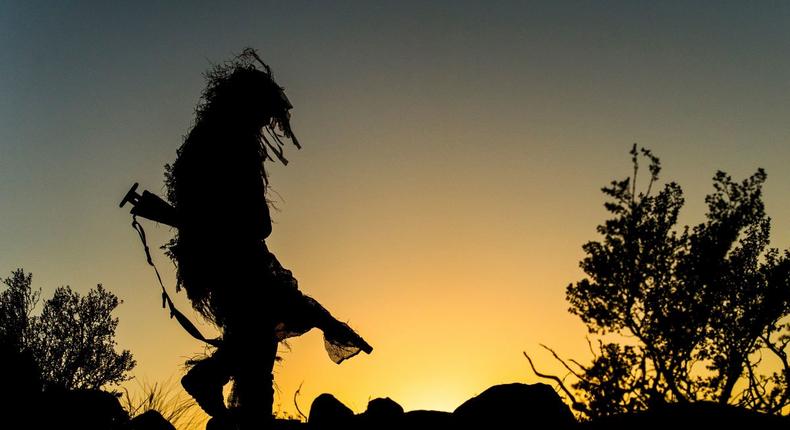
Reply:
x=452 y=162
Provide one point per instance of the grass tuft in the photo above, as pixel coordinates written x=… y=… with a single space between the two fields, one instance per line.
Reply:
x=167 y=398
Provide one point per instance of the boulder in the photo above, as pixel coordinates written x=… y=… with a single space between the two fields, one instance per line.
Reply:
x=150 y=420
x=382 y=413
x=384 y=408
x=516 y=406
x=327 y=412
x=82 y=409
x=21 y=383
x=427 y=420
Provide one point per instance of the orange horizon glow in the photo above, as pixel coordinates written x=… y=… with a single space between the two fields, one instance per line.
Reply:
x=453 y=155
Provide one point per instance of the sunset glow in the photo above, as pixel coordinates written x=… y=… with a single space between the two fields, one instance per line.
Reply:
x=451 y=170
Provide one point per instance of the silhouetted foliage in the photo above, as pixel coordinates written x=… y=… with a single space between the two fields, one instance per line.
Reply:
x=19 y=372
x=16 y=306
x=703 y=310
x=72 y=341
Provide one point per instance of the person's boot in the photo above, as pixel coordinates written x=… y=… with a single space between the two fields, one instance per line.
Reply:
x=204 y=382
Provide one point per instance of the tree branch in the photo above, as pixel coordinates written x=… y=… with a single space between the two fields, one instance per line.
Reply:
x=576 y=405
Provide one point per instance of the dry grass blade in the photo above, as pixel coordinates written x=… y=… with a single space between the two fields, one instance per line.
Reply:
x=169 y=400
x=296 y=404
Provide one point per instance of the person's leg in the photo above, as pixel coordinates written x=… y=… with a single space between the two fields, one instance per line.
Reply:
x=254 y=390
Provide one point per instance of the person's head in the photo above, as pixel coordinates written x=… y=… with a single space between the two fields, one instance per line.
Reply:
x=243 y=95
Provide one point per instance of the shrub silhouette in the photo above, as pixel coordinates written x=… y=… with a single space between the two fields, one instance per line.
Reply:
x=72 y=341
x=16 y=307
x=698 y=308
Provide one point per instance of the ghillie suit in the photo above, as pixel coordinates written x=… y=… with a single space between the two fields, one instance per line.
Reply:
x=218 y=187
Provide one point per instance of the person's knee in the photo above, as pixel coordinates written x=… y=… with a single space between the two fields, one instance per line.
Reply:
x=209 y=371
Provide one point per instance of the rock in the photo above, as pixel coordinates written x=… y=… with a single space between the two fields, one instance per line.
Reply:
x=82 y=409
x=516 y=406
x=21 y=383
x=150 y=420
x=327 y=412
x=384 y=408
x=427 y=420
x=382 y=413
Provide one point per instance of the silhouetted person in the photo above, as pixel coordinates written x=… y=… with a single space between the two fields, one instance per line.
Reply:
x=218 y=187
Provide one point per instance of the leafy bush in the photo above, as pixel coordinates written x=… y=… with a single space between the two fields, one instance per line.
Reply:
x=72 y=341
x=698 y=308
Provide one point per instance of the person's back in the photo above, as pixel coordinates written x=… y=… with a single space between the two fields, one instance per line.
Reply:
x=224 y=216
